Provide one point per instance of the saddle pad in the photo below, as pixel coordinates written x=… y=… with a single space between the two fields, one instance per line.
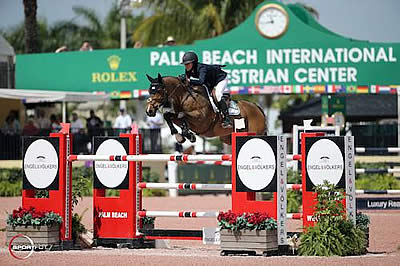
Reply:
x=234 y=108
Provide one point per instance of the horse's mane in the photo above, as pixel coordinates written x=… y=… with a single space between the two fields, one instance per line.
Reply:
x=196 y=89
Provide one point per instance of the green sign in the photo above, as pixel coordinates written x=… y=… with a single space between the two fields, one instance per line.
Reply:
x=337 y=104
x=297 y=55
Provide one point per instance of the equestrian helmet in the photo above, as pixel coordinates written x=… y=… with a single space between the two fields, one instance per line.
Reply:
x=189 y=57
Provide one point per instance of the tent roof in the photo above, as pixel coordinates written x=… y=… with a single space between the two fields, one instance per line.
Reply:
x=35 y=96
x=5 y=48
x=358 y=107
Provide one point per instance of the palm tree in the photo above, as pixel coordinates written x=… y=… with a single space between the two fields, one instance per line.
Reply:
x=31 y=30
x=103 y=35
x=191 y=20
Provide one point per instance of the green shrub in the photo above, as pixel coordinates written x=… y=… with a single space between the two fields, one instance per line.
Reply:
x=82 y=184
x=152 y=177
x=77 y=226
x=293 y=201
x=378 y=182
x=362 y=221
x=332 y=234
x=10 y=189
x=294 y=198
x=12 y=175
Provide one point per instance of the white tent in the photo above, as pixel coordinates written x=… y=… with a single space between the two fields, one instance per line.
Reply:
x=36 y=96
x=6 y=50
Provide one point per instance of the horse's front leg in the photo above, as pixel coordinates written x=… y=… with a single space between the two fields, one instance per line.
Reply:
x=186 y=131
x=168 y=117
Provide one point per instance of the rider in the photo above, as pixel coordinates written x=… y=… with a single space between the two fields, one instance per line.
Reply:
x=211 y=76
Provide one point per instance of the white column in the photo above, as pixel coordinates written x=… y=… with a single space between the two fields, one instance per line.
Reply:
x=172 y=177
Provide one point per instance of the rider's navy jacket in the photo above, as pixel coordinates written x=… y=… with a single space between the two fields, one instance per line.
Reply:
x=209 y=75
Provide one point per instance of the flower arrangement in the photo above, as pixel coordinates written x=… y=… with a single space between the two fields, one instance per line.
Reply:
x=148 y=220
x=30 y=216
x=246 y=221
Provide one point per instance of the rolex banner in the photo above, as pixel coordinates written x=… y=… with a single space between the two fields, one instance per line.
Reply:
x=294 y=54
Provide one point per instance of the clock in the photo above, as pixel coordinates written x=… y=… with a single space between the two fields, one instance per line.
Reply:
x=272 y=21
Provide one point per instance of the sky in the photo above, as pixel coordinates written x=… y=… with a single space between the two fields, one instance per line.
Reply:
x=372 y=20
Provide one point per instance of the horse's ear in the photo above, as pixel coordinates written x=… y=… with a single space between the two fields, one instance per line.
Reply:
x=159 y=78
x=150 y=78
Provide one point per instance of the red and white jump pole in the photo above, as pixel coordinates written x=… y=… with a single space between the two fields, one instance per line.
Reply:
x=207 y=214
x=181 y=214
x=186 y=186
x=152 y=157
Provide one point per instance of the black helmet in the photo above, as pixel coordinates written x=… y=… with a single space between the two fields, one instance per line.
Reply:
x=189 y=57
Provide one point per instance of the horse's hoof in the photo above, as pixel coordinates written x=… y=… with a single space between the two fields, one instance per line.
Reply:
x=179 y=138
x=192 y=138
x=225 y=126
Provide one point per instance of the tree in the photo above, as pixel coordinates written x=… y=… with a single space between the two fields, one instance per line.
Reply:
x=102 y=34
x=191 y=20
x=31 y=29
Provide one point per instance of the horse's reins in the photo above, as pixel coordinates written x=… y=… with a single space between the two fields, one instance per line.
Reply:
x=165 y=101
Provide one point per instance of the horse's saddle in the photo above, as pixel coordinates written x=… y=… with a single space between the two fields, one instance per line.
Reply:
x=233 y=107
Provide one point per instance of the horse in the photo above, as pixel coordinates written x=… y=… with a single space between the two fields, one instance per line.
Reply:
x=191 y=110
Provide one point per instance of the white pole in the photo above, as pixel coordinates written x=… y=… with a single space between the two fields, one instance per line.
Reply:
x=122 y=103
x=152 y=157
x=64 y=112
x=172 y=177
x=186 y=186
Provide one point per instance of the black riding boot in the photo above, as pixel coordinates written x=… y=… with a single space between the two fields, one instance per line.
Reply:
x=223 y=106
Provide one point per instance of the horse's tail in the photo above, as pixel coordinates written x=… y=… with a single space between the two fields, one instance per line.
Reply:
x=265 y=118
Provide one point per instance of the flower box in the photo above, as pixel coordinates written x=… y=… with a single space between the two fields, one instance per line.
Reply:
x=42 y=227
x=255 y=241
x=43 y=235
x=249 y=233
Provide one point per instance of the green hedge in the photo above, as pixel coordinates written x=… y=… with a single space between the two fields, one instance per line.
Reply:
x=82 y=180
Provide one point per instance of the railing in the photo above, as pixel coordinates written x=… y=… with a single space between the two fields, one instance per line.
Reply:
x=7 y=75
x=11 y=145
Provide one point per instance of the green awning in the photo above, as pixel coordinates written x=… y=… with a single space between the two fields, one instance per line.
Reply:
x=307 y=58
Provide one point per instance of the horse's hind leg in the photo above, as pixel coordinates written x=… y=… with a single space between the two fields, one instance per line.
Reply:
x=226 y=139
x=186 y=132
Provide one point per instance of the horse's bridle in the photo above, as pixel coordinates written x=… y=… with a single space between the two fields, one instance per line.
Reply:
x=156 y=88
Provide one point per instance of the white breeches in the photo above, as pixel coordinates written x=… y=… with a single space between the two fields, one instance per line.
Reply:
x=221 y=88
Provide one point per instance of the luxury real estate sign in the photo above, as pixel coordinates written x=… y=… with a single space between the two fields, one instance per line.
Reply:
x=278 y=49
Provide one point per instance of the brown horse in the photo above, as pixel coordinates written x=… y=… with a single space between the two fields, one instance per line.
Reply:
x=190 y=109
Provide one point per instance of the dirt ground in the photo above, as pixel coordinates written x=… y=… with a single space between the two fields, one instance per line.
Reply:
x=383 y=250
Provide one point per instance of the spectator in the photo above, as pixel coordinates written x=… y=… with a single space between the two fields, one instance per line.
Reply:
x=94 y=125
x=30 y=129
x=170 y=41
x=155 y=121
x=86 y=47
x=42 y=122
x=138 y=44
x=123 y=121
x=54 y=124
x=62 y=49
x=155 y=124
x=79 y=143
x=11 y=125
x=76 y=124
